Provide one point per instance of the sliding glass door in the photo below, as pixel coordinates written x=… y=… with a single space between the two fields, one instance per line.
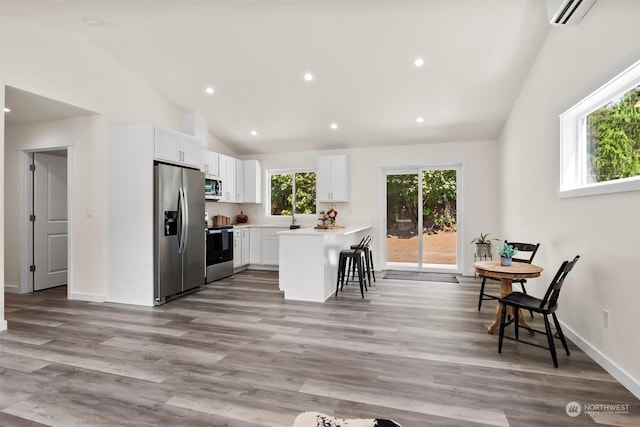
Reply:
x=421 y=218
x=402 y=218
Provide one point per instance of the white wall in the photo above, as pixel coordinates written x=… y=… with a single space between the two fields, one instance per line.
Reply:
x=603 y=229
x=479 y=184
x=3 y=323
x=68 y=69
x=88 y=278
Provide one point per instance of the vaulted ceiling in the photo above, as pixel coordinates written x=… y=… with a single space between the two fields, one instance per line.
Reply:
x=361 y=54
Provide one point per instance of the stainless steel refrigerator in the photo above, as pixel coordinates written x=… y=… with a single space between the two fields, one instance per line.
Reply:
x=179 y=234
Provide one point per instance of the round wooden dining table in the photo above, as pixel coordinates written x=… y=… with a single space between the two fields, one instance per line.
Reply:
x=506 y=275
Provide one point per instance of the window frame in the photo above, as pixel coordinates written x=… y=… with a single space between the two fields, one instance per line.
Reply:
x=573 y=143
x=270 y=173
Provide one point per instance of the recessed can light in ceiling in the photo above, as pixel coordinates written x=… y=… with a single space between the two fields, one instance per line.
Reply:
x=209 y=90
x=93 y=21
x=308 y=77
x=419 y=62
x=254 y=133
x=334 y=126
x=7 y=110
x=420 y=119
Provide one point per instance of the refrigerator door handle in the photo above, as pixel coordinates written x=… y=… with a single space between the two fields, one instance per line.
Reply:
x=185 y=222
x=181 y=220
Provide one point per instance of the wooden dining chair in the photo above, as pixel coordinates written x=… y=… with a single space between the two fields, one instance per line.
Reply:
x=525 y=253
x=546 y=306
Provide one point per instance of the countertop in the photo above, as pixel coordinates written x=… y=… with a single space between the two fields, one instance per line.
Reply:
x=260 y=225
x=254 y=225
x=310 y=231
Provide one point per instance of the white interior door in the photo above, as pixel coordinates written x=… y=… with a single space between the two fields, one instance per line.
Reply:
x=50 y=227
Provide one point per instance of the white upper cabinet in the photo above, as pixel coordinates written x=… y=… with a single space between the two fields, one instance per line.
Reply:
x=228 y=176
x=332 y=179
x=178 y=148
x=191 y=151
x=252 y=181
x=210 y=163
x=239 y=181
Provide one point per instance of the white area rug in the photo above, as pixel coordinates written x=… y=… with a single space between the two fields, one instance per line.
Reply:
x=316 y=419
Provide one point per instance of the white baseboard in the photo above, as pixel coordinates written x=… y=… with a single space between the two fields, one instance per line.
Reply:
x=262 y=267
x=3 y=325
x=79 y=296
x=607 y=364
x=14 y=289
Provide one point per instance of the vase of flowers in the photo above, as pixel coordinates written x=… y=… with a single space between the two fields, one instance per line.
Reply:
x=323 y=217
x=332 y=214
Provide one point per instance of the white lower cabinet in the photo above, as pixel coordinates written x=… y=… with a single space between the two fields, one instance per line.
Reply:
x=246 y=246
x=241 y=247
x=270 y=246
x=264 y=246
x=255 y=237
x=237 y=248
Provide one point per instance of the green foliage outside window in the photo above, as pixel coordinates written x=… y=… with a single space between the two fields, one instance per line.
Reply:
x=282 y=193
x=439 y=200
x=613 y=139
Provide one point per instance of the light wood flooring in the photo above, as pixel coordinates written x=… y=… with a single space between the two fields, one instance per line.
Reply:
x=237 y=354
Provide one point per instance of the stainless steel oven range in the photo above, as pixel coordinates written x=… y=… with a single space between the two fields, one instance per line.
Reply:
x=219 y=252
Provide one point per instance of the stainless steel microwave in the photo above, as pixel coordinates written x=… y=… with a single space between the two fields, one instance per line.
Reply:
x=212 y=188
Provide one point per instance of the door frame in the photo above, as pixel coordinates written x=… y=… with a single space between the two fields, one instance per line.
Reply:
x=382 y=214
x=26 y=194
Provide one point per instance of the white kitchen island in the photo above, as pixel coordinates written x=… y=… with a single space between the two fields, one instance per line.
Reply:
x=309 y=260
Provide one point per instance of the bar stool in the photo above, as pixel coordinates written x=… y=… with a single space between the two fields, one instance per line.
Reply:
x=365 y=245
x=357 y=256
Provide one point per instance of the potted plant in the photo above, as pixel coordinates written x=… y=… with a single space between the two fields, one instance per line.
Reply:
x=483 y=245
x=506 y=252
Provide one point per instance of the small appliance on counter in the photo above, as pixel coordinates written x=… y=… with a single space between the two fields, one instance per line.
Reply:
x=242 y=218
x=219 y=220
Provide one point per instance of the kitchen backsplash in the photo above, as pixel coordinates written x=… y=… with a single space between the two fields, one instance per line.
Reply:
x=256 y=214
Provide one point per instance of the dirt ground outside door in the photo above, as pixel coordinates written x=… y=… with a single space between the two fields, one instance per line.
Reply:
x=437 y=248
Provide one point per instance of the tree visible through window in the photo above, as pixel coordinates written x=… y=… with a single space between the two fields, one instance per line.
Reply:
x=286 y=185
x=613 y=139
x=600 y=139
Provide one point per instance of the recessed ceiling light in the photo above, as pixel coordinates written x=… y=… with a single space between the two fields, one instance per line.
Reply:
x=93 y=21
x=7 y=110
x=420 y=119
x=334 y=126
x=308 y=77
x=209 y=90
x=254 y=133
x=419 y=62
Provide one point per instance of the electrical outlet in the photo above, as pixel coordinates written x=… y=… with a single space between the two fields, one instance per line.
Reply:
x=605 y=318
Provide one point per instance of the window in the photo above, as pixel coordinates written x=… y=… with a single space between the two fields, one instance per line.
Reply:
x=289 y=187
x=600 y=139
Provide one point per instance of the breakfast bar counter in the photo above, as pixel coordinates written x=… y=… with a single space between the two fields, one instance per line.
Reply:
x=309 y=260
